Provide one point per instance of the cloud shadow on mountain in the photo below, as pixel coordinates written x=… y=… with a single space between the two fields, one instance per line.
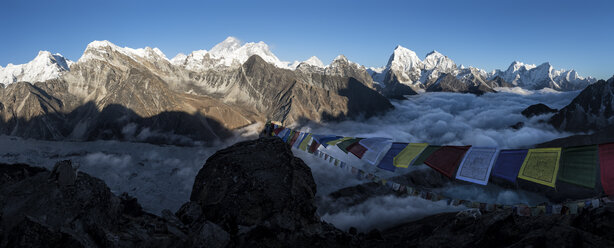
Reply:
x=116 y=122
x=356 y=93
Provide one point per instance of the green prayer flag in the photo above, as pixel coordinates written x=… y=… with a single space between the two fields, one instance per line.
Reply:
x=337 y=141
x=579 y=165
x=344 y=144
x=425 y=154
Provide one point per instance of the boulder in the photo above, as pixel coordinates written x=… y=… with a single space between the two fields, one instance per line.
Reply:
x=256 y=182
x=262 y=195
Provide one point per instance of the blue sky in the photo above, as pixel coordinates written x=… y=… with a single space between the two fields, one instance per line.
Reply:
x=485 y=34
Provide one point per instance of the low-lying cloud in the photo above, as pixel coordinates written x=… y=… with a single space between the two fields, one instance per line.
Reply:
x=385 y=211
x=459 y=119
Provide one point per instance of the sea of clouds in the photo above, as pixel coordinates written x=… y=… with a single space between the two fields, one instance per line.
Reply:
x=161 y=177
x=459 y=119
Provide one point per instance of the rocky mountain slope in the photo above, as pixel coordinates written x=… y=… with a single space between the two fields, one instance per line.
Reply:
x=115 y=92
x=65 y=208
x=592 y=109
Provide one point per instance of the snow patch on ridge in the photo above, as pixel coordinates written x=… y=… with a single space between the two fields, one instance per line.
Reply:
x=230 y=52
x=314 y=61
x=99 y=49
x=43 y=67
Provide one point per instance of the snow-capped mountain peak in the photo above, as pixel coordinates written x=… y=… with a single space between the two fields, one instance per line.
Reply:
x=340 y=57
x=530 y=76
x=314 y=61
x=436 y=60
x=226 y=47
x=404 y=59
x=99 y=44
x=149 y=52
x=342 y=61
x=179 y=59
x=43 y=67
x=517 y=65
x=230 y=52
x=100 y=49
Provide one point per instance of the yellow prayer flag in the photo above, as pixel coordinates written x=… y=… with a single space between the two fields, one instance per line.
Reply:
x=541 y=166
x=408 y=154
x=337 y=141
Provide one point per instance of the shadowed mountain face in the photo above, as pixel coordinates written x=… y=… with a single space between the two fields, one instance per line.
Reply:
x=592 y=109
x=449 y=83
x=111 y=95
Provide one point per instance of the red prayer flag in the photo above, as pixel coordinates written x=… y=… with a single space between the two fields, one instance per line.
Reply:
x=294 y=137
x=278 y=130
x=314 y=146
x=446 y=159
x=357 y=149
x=606 y=162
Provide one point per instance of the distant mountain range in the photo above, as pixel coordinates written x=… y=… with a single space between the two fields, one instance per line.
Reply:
x=406 y=74
x=403 y=67
x=114 y=92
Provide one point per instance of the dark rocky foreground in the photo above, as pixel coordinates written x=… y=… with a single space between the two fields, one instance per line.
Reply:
x=252 y=194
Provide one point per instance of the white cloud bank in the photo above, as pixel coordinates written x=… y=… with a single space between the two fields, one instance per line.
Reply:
x=459 y=119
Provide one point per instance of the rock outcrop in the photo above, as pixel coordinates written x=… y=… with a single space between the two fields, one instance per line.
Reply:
x=451 y=83
x=537 y=109
x=63 y=208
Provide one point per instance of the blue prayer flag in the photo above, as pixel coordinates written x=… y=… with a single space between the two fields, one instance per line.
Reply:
x=387 y=162
x=508 y=164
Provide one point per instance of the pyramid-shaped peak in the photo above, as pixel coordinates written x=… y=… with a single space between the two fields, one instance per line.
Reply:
x=340 y=57
x=403 y=52
x=228 y=45
x=404 y=58
x=314 y=61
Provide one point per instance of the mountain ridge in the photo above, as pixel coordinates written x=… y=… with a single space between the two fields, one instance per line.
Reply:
x=407 y=67
x=127 y=94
